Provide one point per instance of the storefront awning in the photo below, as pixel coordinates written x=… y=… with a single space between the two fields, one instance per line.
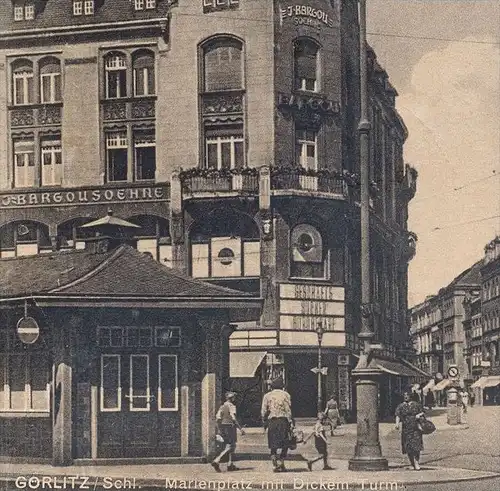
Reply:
x=430 y=384
x=245 y=364
x=479 y=384
x=441 y=385
x=395 y=367
x=492 y=381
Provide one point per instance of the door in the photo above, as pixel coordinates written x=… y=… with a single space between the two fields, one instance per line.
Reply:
x=138 y=405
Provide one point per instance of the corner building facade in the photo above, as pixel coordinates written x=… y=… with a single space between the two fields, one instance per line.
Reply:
x=227 y=130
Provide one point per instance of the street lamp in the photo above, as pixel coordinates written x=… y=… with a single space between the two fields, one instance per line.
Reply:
x=368 y=453
x=319 y=331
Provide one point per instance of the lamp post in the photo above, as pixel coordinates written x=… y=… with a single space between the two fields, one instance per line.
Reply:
x=319 y=332
x=368 y=453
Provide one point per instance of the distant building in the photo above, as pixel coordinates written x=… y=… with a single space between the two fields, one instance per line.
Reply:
x=484 y=342
x=437 y=329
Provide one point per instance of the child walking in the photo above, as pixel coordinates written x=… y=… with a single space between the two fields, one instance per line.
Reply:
x=226 y=425
x=320 y=442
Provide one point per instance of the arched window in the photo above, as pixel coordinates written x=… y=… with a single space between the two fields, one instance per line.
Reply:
x=72 y=236
x=223 y=65
x=143 y=64
x=154 y=237
x=115 y=66
x=306 y=70
x=24 y=238
x=308 y=254
x=50 y=80
x=227 y=245
x=22 y=82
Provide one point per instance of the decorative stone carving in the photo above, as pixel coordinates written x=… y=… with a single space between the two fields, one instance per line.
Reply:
x=22 y=117
x=49 y=115
x=114 y=110
x=222 y=103
x=143 y=109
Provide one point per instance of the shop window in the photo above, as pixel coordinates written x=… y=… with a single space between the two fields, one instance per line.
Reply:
x=225 y=247
x=51 y=161
x=24 y=162
x=224 y=149
x=145 y=155
x=117 y=156
x=115 y=75
x=223 y=65
x=306 y=65
x=154 y=237
x=306 y=149
x=71 y=235
x=308 y=256
x=50 y=80
x=143 y=64
x=22 y=82
x=24 y=11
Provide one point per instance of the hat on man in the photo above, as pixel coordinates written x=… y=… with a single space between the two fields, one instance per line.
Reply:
x=230 y=395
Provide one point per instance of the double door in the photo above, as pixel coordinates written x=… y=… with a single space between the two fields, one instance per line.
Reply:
x=138 y=405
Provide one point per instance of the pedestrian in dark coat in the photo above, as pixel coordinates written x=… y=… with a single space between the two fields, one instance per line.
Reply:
x=411 y=436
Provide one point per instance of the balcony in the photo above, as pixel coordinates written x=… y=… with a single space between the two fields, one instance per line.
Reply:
x=409 y=182
x=214 y=182
x=281 y=181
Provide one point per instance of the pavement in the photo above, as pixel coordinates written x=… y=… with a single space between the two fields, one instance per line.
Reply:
x=254 y=470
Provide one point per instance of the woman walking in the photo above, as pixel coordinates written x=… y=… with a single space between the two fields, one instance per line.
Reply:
x=332 y=413
x=411 y=436
x=276 y=415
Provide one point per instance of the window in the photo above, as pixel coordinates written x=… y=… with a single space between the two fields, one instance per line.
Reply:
x=88 y=8
x=24 y=163
x=22 y=82
x=51 y=161
x=77 y=7
x=117 y=156
x=144 y=75
x=306 y=149
x=223 y=65
x=145 y=155
x=224 y=151
x=308 y=256
x=50 y=80
x=111 y=390
x=24 y=238
x=306 y=65
x=24 y=11
x=116 y=76
x=154 y=237
x=71 y=235
x=168 y=393
x=144 y=4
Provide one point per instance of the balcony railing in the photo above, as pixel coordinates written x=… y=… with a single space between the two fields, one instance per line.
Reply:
x=196 y=181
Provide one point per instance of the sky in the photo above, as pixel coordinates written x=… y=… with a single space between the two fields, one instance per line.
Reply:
x=443 y=57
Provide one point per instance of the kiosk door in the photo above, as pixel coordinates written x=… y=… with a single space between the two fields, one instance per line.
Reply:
x=138 y=405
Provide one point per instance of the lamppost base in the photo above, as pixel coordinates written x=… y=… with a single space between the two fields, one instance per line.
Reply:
x=369 y=464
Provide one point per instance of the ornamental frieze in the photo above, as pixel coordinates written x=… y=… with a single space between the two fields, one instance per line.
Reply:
x=222 y=103
x=114 y=110
x=22 y=117
x=143 y=109
x=49 y=115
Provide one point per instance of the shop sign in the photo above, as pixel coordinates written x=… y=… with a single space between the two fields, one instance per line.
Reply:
x=28 y=330
x=305 y=307
x=305 y=15
x=314 y=104
x=218 y=5
x=71 y=197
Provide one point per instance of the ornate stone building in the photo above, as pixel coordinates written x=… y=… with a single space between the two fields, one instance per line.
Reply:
x=227 y=131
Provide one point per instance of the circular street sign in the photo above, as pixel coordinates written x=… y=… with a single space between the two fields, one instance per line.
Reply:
x=453 y=372
x=28 y=330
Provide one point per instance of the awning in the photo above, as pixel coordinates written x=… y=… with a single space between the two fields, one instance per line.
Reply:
x=441 y=385
x=492 y=381
x=245 y=364
x=479 y=383
x=430 y=384
x=395 y=367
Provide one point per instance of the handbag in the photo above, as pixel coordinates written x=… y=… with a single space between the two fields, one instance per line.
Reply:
x=426 y=426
